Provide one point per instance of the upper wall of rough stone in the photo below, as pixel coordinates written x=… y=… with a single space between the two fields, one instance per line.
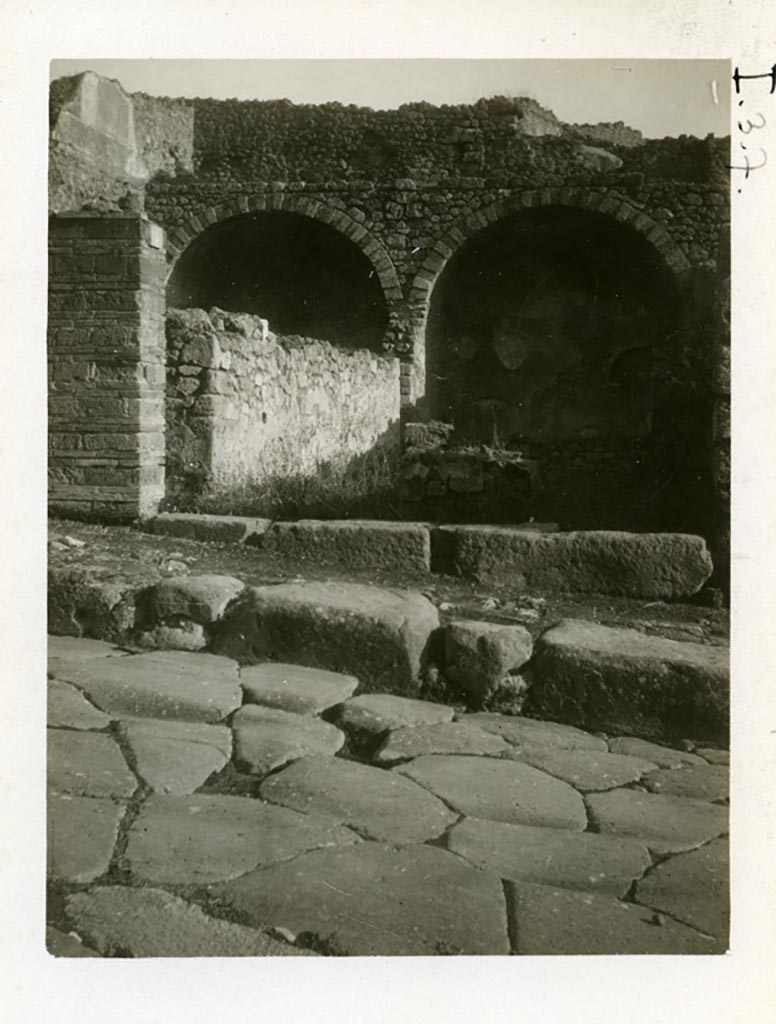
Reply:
x=405 y=178
x=493 y=138
x=136 y=136
x=105 y=144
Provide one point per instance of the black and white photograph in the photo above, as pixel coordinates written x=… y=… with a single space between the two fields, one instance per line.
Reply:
x=391 y=566
x=389 y=484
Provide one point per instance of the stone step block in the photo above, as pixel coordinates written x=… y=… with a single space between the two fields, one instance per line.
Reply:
x=197 y=526
x=97 y=603
x=201 y=599
x=379 y=636
x=642 y=565
x=479 y=655
x=624 y=681
x=353 y=544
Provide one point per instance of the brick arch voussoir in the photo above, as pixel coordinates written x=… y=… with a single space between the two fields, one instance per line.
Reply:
x=183 y=235
x=475 y=221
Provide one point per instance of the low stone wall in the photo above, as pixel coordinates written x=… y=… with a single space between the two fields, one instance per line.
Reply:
x=246 y=405
x=466 y=485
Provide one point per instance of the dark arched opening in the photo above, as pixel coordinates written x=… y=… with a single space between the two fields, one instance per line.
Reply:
x=557 y=332
x=303 y=276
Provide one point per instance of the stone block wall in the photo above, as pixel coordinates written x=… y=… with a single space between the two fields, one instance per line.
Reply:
x=245 y=405
x=106 y=365
x=465 y=485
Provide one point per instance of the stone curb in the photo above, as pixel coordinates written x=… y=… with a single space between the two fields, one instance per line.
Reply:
x=639 y=565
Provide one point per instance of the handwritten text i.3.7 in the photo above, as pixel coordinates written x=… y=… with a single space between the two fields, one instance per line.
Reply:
x=746 y=125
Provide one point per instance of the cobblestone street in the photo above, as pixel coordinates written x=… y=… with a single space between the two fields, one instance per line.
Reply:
x=197 y=809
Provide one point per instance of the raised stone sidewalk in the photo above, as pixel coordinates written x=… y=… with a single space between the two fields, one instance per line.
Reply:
x=200 y=809
x=644 y=565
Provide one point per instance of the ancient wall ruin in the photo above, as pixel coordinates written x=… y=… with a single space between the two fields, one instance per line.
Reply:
x=604 y=379
x=245 y=405
x=106 y=358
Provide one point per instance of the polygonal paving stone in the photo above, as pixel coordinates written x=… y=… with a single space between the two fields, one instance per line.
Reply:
x=550 y=856
x=79 y=648
x=446 y=738
x=552 y=922
x=377 y=900
x=666 y=824
x=379 y=803
x=208 y=838
x=305 y=691
x=529 y=732
x=663 y=757
x=586 y=770
x=376 y=713
x=87 y=764
x=165 y=684
x=61 y=944
x=714 y=756
x=499 y=790
x=699 y=782
x=176 y=757
x=67 y=653
x=151 y=922
x=693 y=887
x=266 y=738
x=69 y=709
x=80 y=836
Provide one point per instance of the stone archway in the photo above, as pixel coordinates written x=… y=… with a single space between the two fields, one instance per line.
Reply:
x=600 y=202
x=275 y=354
x=181 y=237
x=304 y=276
x=556 y=329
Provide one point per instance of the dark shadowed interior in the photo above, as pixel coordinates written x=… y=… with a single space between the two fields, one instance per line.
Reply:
x=303 y=276
x=546 y=326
